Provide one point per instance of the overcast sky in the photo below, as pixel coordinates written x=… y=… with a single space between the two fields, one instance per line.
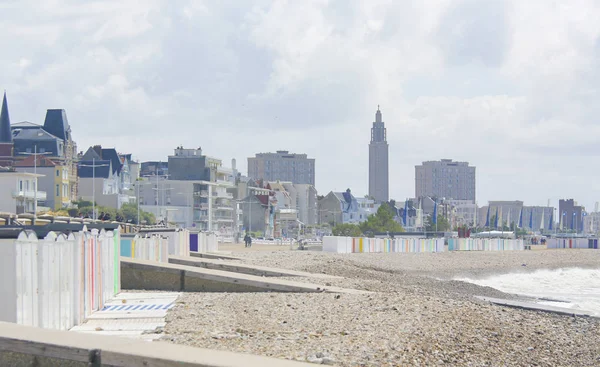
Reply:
x=509 y=86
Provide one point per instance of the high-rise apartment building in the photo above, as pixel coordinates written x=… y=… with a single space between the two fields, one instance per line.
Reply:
x=378 y=161
x=282 y=166
x=445 y=179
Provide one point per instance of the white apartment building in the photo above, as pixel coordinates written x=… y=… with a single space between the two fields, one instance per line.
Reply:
x=18 y=192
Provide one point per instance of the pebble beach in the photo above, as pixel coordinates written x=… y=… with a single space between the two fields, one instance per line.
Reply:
x=415 y=315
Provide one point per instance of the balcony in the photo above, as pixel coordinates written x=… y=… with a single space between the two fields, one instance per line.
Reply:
x=29 y=195
x=223 y=195
x=202 y=193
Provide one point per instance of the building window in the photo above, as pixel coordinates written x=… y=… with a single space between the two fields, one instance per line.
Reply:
x=57 y=190
x=20 y=185
x=57 y=173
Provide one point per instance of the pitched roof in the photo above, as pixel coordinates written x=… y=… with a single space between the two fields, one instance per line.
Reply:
x=5 y=134
x=112 y=155
x=85 y=169
x=33 y=134
x=41 y=162
x=25 y=125
x=91 y=155
x=56 y=123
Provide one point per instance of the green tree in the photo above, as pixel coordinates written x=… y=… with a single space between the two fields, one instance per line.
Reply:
x=347 y=230
x=442 y=224
x=382 y=221
x=129 y=212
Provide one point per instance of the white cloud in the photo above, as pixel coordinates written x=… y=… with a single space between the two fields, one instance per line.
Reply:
x=510 y=86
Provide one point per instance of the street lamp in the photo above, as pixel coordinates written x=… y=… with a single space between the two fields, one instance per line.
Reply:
x=137 y=185
x=94 y=166
x=35 y=188
x=187 y=208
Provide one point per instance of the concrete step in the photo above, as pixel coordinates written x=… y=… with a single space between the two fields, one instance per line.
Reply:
x=225 y=255
x=150 y=275
x=236 y=267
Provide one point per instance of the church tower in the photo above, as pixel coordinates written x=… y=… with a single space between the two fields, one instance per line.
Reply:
x=378 y=161
x=6 y=139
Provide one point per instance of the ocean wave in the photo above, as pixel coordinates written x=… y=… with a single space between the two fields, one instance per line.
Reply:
x=573 y=288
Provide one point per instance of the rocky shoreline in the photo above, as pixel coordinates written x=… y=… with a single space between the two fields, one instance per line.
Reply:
x=417 y=315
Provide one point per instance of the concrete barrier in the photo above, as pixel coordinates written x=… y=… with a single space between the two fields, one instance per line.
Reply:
x=29 y=346
x=347 y=245
x=485 y=244
x=56 y=281
x=149 y=275
x=260 y=271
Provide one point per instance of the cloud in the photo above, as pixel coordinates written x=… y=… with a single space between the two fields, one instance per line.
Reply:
x=510 y=86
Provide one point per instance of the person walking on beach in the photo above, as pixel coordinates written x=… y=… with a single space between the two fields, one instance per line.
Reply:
x=247 y=240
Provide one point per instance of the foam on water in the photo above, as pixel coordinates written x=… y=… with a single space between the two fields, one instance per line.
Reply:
x=573 y=288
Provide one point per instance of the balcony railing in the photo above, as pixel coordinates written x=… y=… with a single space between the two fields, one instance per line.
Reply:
x=29 y=194
x=202 y=193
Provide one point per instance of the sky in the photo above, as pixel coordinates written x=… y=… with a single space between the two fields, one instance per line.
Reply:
x=509 y=86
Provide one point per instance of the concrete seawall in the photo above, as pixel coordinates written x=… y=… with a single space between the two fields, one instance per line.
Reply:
x=149 y=275
x=29 y=346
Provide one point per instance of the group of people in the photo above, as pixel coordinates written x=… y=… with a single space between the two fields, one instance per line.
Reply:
x=248 y=240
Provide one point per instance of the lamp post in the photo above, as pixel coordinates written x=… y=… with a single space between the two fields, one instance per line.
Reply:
x=35 y=186
x=187 y=207
x=138 y=184
x=93 y=166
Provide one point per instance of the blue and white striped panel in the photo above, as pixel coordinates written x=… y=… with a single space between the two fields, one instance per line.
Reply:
x=138 y=307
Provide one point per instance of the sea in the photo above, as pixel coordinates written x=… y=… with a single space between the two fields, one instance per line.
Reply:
x=573 y=288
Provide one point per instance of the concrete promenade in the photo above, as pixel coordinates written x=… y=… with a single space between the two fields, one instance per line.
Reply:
x=29 y=346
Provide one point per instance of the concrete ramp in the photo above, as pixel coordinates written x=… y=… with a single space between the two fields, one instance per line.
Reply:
x=236 y=267
x=150 y=275
x=535 y=307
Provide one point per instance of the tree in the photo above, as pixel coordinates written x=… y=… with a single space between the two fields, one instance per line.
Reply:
x=129 y=212
x=442 y=224
x=383 y=221
x=347 y=230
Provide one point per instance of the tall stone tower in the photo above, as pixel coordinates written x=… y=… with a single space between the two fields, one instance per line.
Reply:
x=378 y=161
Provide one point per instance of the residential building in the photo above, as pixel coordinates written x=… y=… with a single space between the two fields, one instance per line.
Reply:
x=53 y=180
x=152 y=168
x=306 y=202
x=18 y=192
x=197 y=192
x=283 y=166
x=591 y=223
x=378 y=161
x=464 y=213
x=342 y=208
x=54 y=139
x=445 y=179
x=571 y=214
x=99 y=177
x=6 y=139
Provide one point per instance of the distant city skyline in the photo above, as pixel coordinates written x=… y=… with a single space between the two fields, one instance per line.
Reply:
x=486 y=84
